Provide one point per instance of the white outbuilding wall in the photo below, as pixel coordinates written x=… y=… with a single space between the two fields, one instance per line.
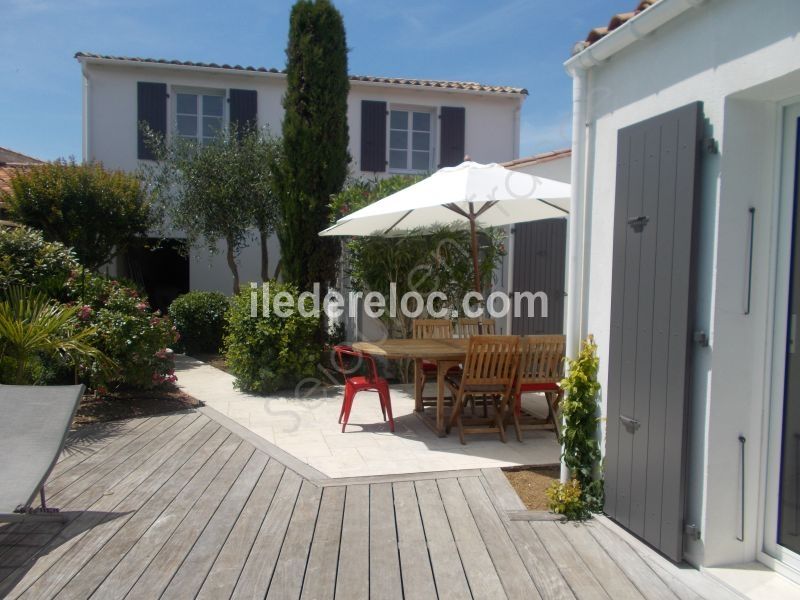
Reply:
x=110 y=127
x=742 y=60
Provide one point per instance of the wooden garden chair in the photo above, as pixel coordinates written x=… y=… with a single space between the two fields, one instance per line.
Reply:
x=426 y=329
x=541 y=367
x=466 y=328
x=489 y=371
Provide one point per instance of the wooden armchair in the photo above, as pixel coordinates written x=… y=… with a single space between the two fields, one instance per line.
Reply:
x=466 y=328
x=541 y=367
x=489 y=371
x=425 y=370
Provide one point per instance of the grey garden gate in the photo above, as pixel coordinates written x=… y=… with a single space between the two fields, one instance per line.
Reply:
x=540 y=254
x=658 y=164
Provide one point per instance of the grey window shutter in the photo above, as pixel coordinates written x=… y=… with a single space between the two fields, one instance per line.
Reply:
x=373 y=136
x=151 y=110
x=453 y=119
x=243 y=108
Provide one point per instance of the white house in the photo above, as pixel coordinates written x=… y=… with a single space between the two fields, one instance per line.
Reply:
x=396 y=125
x=685 y=265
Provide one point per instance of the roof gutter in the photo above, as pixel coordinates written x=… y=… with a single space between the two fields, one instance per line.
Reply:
x=639 y=26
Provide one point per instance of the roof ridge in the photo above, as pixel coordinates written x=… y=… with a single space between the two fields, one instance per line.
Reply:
x=435 y=83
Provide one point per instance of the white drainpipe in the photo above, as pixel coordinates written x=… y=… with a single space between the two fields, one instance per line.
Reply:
x=576 y=220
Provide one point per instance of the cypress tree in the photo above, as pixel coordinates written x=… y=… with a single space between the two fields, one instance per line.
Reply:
x=315 y=138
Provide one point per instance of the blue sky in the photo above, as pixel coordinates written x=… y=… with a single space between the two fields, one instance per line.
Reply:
x=510 y=42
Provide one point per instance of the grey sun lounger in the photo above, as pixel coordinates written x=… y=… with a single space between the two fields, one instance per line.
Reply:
x=34 y=422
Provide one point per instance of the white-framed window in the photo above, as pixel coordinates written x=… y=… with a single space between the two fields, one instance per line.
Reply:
x=199 y=114
x=410 y=139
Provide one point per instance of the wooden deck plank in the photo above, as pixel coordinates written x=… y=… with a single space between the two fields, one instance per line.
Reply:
x=156 y=575
x=448 y=572
x=678 y=576
x=109 y=456
x=484 y=582
x=224 y=574
x=635 y=568
x=607 y=572
x=145 y=545
x=127 y=532
x=500 y=490
x=59 y=561
x=415 y=561
x=513 y=574
x=352 y=577
x=575 y=572
x=541 y=568
x=91 y=486
x=86 y=441
x=323 y=558
x=385 y=581
x=191 y=574
x=287 y=581
x=257 y=572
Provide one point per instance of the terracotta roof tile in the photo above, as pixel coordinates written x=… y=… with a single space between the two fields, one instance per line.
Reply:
x=10 y=163
x=431 y=83
x=616 y=21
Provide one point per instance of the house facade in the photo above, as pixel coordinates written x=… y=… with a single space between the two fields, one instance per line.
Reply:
x=396 y=125
x=685 y=265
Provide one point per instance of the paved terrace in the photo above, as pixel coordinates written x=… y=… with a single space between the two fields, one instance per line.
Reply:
x=192 y=504
x=306 y=426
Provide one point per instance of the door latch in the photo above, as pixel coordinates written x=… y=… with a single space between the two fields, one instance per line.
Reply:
x=638 y=223
x=701 y=338
x=630 y=423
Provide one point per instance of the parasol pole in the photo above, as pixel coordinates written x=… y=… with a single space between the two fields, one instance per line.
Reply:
x=475 y=268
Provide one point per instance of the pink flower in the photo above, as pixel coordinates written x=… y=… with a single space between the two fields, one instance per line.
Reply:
x=142 y=306
x=85 y=312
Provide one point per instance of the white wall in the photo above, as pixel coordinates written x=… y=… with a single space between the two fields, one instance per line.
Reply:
x=110 y=130
x=740 y=58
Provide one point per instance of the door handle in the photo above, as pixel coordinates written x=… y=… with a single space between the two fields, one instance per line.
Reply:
x=630 y=423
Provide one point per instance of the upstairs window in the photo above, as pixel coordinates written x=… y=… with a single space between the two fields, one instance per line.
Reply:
x=199 y=115
x=410 y=140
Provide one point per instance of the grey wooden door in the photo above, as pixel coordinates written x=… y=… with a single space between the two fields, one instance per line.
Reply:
x=652 y=288
x=540 y=249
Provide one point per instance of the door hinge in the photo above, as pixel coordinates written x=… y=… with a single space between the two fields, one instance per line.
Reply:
x=701 y=338
x=692 y=531
x=710 y=145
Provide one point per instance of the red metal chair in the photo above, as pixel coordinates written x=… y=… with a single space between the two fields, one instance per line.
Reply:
x=350 y=362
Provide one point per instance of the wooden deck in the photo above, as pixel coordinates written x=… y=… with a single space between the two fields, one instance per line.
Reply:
x=187 y=505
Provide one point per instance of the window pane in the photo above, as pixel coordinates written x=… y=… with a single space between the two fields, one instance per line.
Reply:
x=211 y=126
x=398 y=140
x=422 y=121
x=212 y=105
x=187 y=125
x=420 y=161
x=399 y=119
x=422 y=141
x=398 y=159
x=187 y=104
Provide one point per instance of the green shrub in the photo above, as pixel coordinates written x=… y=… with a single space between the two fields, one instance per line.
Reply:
x=93 y=210
x=27 y=259
x=268 y=353
x=200 y=319
x=566 y=499
x=129 y=333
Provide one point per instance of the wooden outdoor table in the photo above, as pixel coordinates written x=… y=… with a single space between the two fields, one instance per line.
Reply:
x=446 y=353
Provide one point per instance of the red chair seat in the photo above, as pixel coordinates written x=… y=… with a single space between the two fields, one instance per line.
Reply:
x=428 y=366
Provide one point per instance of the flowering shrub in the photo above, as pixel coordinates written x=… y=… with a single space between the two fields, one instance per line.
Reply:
x=27 y=259
x=200 y=319
x=268 y=353
x=128 y=332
